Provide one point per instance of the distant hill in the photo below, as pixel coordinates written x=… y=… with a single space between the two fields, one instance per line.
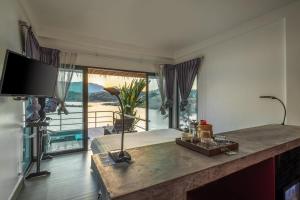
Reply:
x=95 y=88
x=102 y=97
x=97 y=94
x=76 y=87
x=74 y=96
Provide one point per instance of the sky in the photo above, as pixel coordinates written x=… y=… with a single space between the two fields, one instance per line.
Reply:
x=104 y=80
x=109 y=81
x=116 y=81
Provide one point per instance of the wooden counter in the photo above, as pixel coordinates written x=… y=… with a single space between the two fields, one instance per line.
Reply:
x=168 y=171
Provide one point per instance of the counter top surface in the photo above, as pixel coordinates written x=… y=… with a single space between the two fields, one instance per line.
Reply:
x=168 y=170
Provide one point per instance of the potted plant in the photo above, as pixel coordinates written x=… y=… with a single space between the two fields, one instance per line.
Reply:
x=131 y=97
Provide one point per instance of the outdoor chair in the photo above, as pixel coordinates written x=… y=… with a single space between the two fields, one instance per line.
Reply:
x=117 y=126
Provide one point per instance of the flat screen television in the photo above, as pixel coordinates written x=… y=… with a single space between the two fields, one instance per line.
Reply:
x=22 y=76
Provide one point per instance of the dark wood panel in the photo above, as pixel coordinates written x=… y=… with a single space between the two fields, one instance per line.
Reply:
x=256 y=182
x=70 y=178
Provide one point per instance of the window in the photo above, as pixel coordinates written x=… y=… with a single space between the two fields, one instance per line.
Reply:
x=191 y=110
x=156 y=119
x=66 y=132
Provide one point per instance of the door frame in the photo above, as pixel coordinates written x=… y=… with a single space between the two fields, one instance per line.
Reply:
x=84 y=148
x=85 y=96
x=85 y=105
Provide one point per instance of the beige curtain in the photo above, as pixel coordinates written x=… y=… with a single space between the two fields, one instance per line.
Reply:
x=64 y=78
x=162 y=89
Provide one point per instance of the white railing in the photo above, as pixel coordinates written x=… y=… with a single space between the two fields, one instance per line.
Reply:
x=60 y=122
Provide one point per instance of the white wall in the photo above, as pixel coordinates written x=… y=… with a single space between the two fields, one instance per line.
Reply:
x=115 y=63
x=259 y=57
x=293 y=63
x=92 y=56
x=10 y=111
x=236 y=72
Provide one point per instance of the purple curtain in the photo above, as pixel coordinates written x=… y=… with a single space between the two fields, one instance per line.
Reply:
x=169 y=72
x=49 y=56
x=186 y=73
x=35 y=51
x=32 y=47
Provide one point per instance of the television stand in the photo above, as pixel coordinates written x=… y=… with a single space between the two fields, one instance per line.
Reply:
x=40 y=155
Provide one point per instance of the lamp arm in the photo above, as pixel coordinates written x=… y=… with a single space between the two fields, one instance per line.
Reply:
x=123 y=126
x=283 y=108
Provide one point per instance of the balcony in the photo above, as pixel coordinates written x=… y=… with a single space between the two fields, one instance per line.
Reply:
x=66 y=132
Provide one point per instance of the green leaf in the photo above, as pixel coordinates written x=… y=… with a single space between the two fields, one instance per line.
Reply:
x=130 y=95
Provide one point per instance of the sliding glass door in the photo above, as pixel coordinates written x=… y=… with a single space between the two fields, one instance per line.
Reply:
x=27 y=149
x=103 y=108
x=93 y=112
x=27 y=142
x=66 y=131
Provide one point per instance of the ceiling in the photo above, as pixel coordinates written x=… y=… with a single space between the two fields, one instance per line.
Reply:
x=157 y=25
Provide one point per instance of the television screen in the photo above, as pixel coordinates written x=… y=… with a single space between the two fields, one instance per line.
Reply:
x=22 y=76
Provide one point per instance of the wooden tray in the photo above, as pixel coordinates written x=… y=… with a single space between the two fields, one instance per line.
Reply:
x=209 y=150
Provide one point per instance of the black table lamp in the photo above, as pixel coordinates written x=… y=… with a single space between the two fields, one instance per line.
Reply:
x=119 y=155
x=284 y=108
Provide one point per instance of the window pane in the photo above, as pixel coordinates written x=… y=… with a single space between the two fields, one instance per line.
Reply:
x=103 y=108
x=156 y=119
x=27 y=141
x=26 y=148
x=66 y=131
x=191 y=110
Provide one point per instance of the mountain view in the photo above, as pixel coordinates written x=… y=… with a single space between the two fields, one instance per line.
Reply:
x=97 y=94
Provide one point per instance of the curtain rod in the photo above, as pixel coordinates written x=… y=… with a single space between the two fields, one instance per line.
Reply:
x=201 y=57
x=24 y=24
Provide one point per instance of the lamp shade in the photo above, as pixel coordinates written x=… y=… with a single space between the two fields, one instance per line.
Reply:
x=267 y=97
x=273 y=97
